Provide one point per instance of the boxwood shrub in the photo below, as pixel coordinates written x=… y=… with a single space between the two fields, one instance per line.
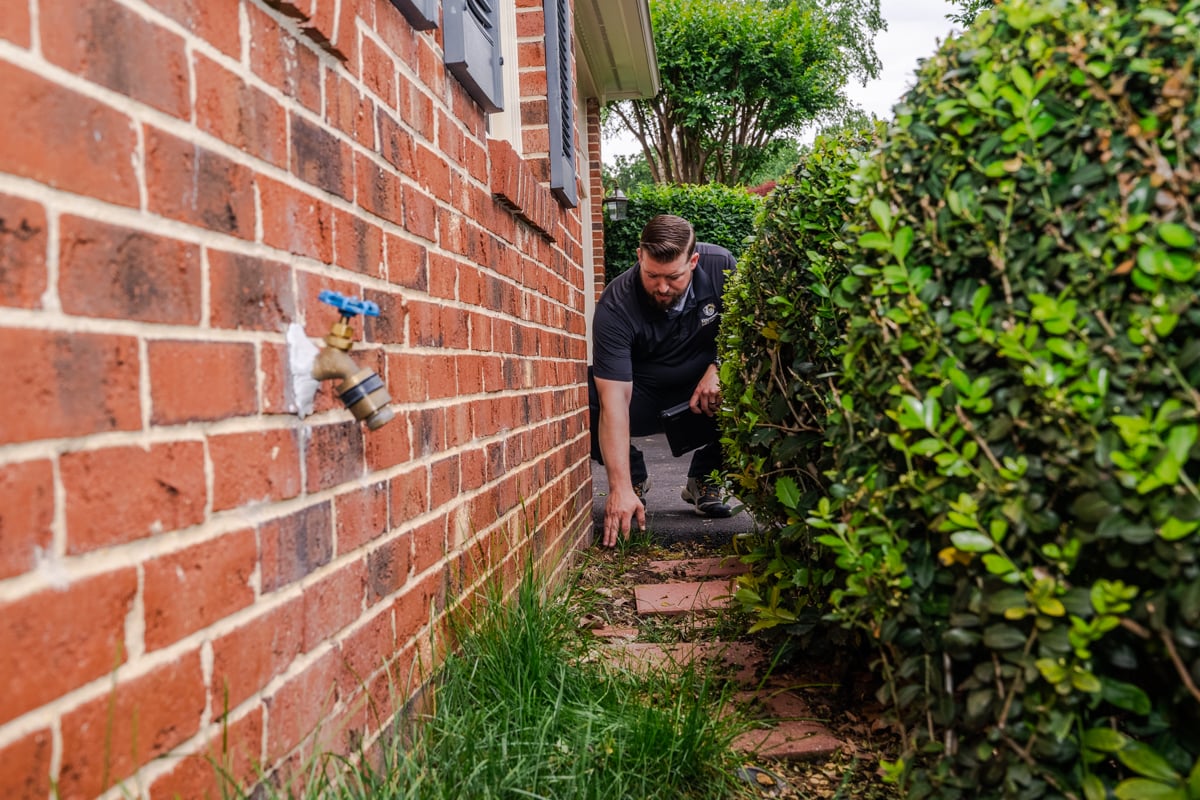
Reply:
x=1014 y=506
x=781 y=335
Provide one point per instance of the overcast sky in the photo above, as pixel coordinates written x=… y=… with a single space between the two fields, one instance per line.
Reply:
x=914 y=29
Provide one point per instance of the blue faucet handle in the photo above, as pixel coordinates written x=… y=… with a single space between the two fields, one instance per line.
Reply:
x=349 y=306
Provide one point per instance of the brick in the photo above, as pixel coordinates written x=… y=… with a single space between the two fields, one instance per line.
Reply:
x=80 y=383
x=192 y=381
x=277 y=57
x=443 y=478
x=420 y=214
x=214 y=21
x=359 y=245
x=25 y=766
x=407 y=263
x=409 y=493
x=226 y=765
x=320 y=159
x=26 y=512
x=254 y=467
x=197 y=186
x=122 y=273
x=240 y=114
x=379 y=72
x=65 y=140
x=395 y=143
x=249 y=293
x=379 y=190
x=295 y=545
x=388 y=567
x=419 y=605
x=389 y=446
x=121 y=494
x=334 y=455
x=429 y=544
x=82 y=626
x=23 y=244
x=16 y=27
x=186 y=591
x=107 y=739
x=362 y=515
x=389 y=326
x=150 y=66
x=247 y=658
x=295 y=222
x=368 y=648
x=348 y=111
x=296 y=708
x=333 y=603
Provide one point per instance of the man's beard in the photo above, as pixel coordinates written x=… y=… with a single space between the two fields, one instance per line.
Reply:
x=665 y=304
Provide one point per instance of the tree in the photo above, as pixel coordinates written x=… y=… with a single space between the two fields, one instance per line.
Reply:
x=737 y=75
x=970 y=10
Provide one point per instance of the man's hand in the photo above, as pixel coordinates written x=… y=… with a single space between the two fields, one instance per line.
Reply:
x=622 y=508
x=707 y=397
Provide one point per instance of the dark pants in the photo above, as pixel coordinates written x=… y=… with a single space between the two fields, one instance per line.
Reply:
x=644 y=420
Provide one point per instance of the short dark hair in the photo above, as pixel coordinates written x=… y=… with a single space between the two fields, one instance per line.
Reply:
x=667 y=236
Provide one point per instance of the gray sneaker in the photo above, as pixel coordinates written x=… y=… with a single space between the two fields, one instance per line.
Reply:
x=706 y=498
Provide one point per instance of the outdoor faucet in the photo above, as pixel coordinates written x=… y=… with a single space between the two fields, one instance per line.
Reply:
x=361 y=390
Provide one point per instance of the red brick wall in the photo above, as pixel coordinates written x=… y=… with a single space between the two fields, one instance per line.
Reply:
x=188 y=571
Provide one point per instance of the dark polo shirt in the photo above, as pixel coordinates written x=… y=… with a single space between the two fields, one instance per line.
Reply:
x=658 y=350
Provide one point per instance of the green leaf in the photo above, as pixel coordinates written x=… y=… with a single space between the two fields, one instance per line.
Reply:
x=1143 y=789
x=875 y=241
x=1176 y=235
x=1022 y=80
x=971 y=541
x=1145 y=760
x=1125 y=695
x=1104 y=740
x=1093 y=788
x=902 y=243
x=1003 y=637
x=882 y=215
x=787 y=492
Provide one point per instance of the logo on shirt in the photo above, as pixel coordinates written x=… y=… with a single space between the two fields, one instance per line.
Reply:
x=708 y=314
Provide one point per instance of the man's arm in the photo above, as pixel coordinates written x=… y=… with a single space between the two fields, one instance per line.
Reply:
x=622 y=505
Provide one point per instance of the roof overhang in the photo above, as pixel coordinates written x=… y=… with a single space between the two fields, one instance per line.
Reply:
x=617 y=43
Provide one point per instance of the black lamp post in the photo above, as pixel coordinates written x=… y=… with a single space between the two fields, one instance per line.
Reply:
x=615 y=204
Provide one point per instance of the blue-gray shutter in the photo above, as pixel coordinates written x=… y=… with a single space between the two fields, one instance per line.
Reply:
x=560 y=97
x=472 y=39
x=421 y=14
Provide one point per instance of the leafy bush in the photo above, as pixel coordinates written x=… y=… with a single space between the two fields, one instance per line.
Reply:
x=721 y=215
x=1014 y=506
x=780 y=337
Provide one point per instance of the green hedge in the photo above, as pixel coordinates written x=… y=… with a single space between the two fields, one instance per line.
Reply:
x=1012 y=499
x=781 y=335
x=722 y=215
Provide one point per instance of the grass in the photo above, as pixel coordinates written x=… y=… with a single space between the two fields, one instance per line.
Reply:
x=527 y=708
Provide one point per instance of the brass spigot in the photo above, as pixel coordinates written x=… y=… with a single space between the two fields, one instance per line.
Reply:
x=361 y=390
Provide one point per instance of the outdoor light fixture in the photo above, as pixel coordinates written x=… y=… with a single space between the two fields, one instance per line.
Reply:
x=615 y=204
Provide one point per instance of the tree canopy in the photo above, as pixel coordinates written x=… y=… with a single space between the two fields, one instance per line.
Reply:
x=739 y=75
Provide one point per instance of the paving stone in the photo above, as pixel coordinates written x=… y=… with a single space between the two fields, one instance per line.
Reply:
x=789 y=741
x=682 y=598
x=700 y=567
x=743 y=661
x=791 y=732
x=627 y=634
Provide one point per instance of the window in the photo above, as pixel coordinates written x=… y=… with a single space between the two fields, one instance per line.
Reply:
x=473 y=49
x=560 y=98
x=421 y=14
